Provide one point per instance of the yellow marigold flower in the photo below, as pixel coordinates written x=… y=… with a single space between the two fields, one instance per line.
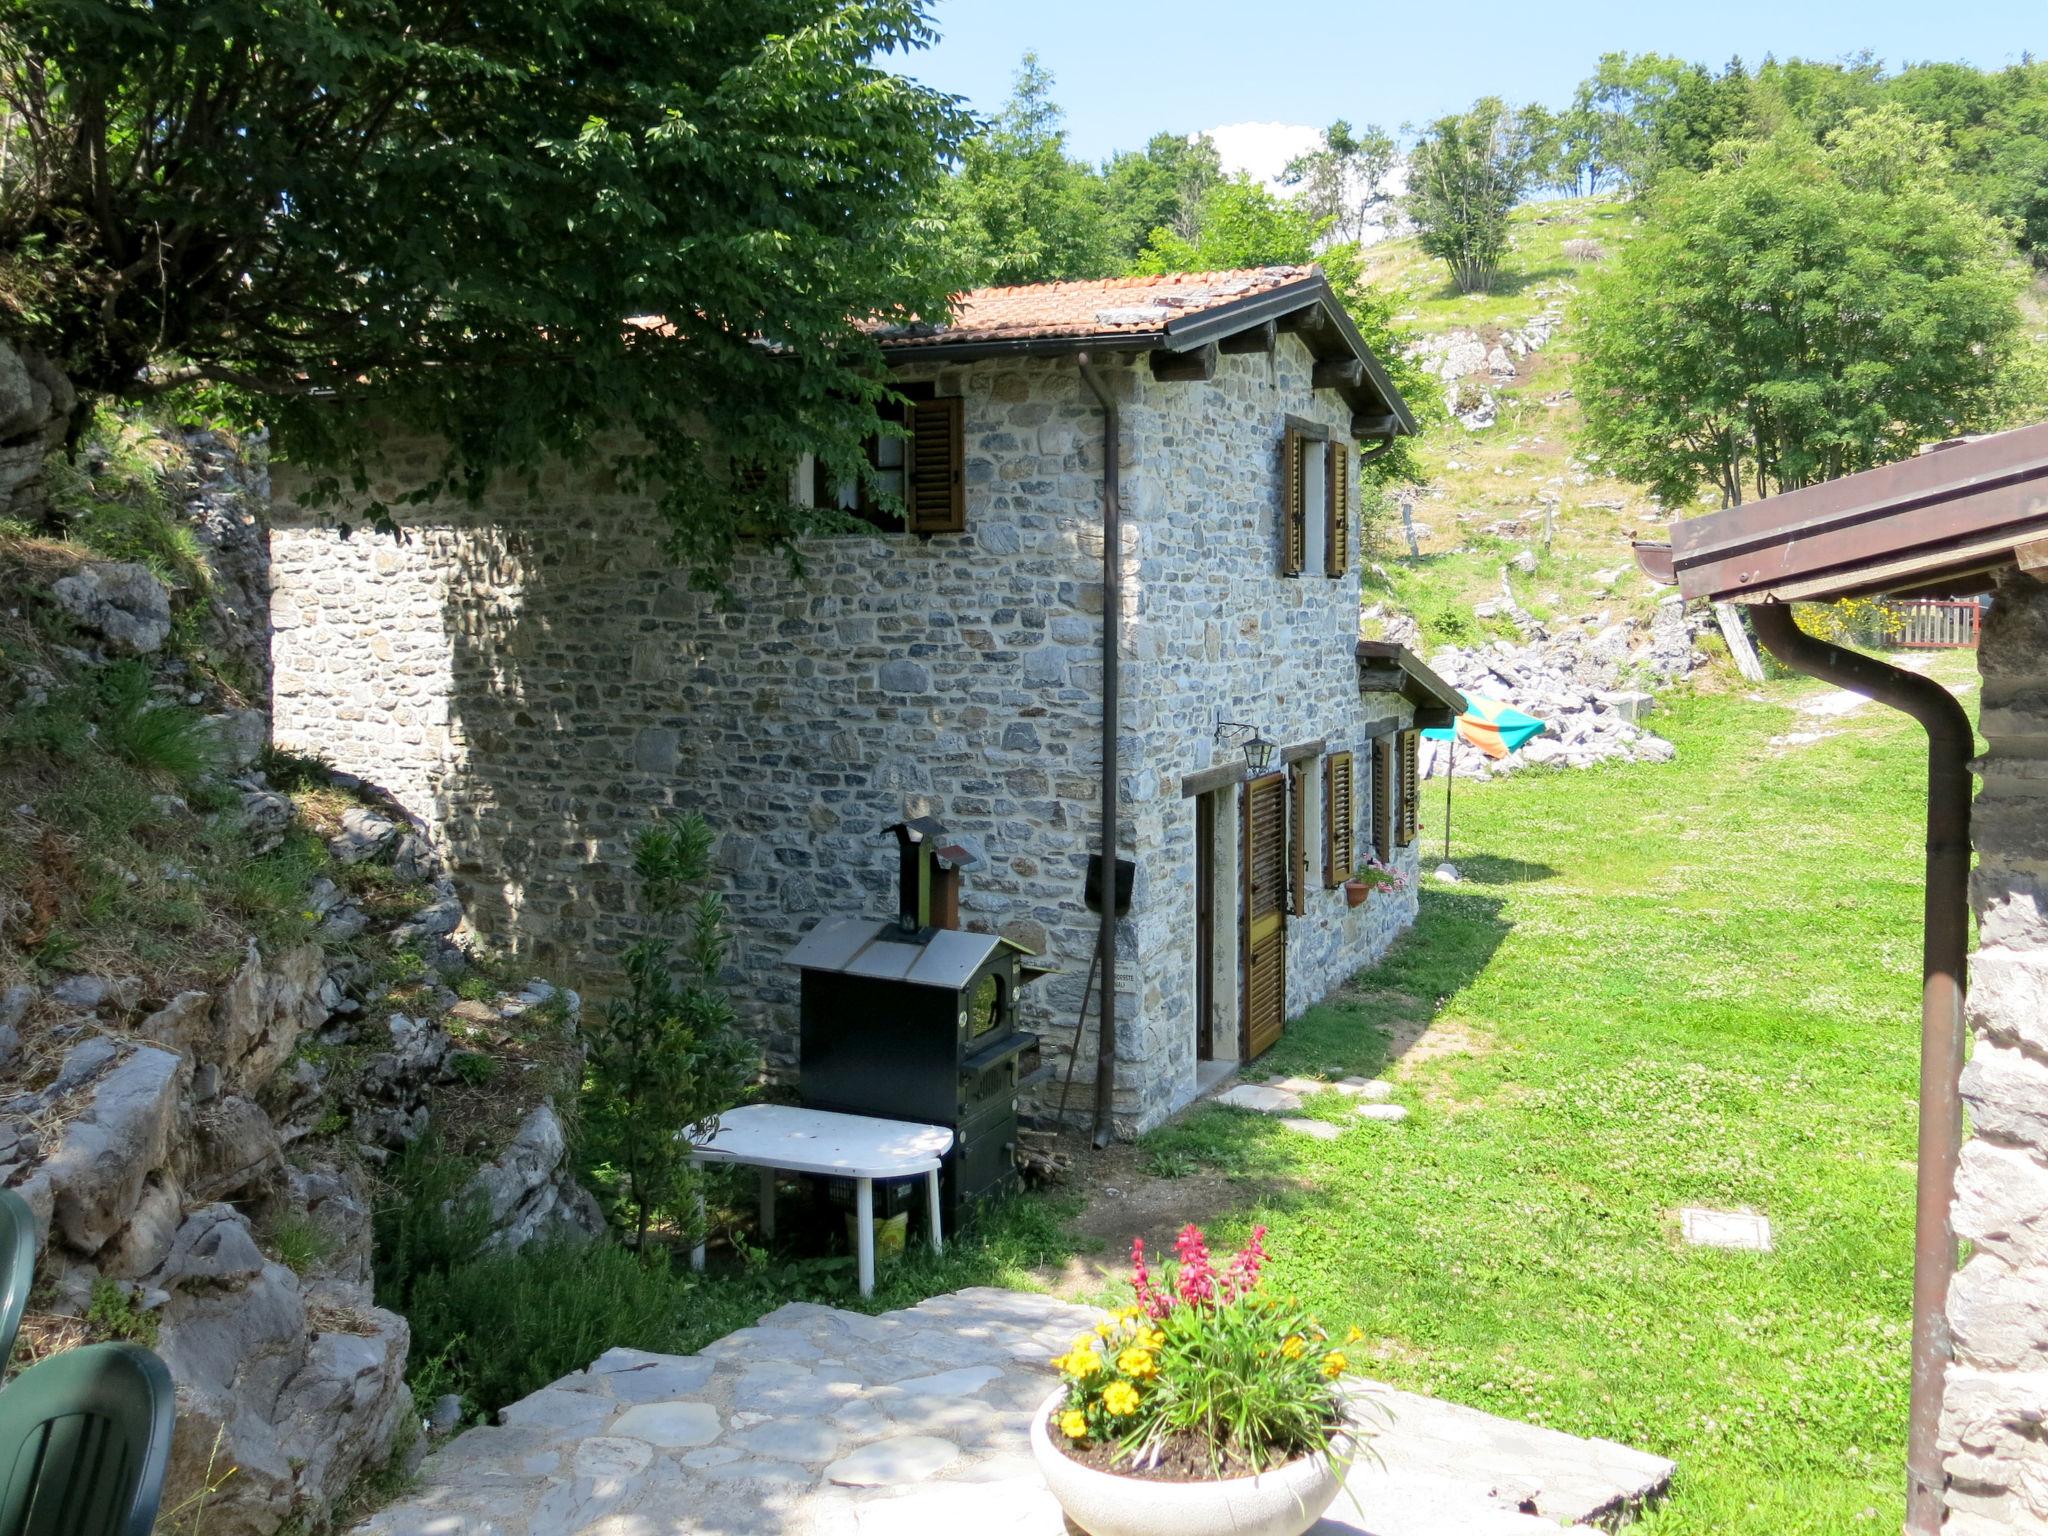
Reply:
x=1120 y=1398
x=1295 y=1347
x=1334 y=1364
x=1130 y=1314
x=1152 y=1338
x=1137 y=1362
x=1353 y=1334
x=1082 y=1363
x=1074 y=1424
x=1103 y=1330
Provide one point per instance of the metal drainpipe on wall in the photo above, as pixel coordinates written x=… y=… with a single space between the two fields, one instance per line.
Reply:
x=1944 y=955
x=1112 y=617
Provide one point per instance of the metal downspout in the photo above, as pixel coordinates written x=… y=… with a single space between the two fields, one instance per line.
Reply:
x=1112 y=714
x=1945 y=946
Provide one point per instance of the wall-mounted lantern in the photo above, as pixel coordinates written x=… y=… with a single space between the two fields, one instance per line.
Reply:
x=1258 y=752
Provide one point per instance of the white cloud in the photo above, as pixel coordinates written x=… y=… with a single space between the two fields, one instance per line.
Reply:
x=1262 y=150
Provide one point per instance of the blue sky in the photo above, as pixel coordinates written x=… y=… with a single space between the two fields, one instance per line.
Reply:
x=1127 y=68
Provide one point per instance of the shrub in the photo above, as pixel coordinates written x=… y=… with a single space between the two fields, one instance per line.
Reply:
x=1207 y=1370
x=155 y=737
x=666 y=1056
x=505 y=1324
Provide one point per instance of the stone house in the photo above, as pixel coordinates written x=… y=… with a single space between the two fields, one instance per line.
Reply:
x=1966 y=520
x=530 y=675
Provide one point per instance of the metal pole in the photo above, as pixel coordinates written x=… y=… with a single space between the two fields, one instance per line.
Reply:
x=1449 y=772
x=1944 y=958
x=1112 y=615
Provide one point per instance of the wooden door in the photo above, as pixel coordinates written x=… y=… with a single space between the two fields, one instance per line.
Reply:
x=1205 y=927
x=1265 y=912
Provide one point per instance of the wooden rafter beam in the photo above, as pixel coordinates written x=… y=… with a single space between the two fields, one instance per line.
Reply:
x=1196 y=365
x=1339 y=373
x=1259 y=338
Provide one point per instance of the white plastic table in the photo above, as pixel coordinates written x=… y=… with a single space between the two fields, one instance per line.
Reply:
x=780 y=1137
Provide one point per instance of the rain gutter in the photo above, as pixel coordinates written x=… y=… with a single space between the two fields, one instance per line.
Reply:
x=1112 y=644
x=1944 y=949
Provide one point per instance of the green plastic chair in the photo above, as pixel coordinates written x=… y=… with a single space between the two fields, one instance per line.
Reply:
x=17 y=1267
x=85 y=1438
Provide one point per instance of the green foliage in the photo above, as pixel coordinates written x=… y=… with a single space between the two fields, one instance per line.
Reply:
x=1208 y=1362
x=1465 y=175
x=1160 y=187
x=346 y=215
x=1797 y=313
x=510 y=1323
x=299 y=1242
x=473 y=1067
x=666 y=1056
x=108 y=495
x=1020 y=209
x=290 y=772
x=148 y=733
x=117 y=1313
x=1239 y=224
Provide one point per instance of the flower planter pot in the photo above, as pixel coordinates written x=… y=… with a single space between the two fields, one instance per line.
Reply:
x=1357 y=892
x=1283 y=1502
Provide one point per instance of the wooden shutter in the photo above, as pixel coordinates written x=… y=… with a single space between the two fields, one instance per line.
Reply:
x=1340 y=811
x=1265 y=911
x=1293 y=514
x=1411 y=785
x=1383 y=825
x=1337 y=511
x=935 y=492
x=1297 y=836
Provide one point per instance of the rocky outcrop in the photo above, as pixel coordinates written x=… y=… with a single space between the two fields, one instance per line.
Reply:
x=1472 y=364
x=1582 y=678
x=118 y=602
x=36 y=402
x=530 y=1191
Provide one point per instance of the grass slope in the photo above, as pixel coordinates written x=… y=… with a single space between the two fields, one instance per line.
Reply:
x=1659 y=987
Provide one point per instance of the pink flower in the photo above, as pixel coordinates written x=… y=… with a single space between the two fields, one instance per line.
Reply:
x=1243 y=1277
x=1196 y=1281
x=1156 y=1303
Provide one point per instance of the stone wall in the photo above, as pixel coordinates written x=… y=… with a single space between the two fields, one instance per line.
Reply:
x=532 y=674
x=1995 y=1411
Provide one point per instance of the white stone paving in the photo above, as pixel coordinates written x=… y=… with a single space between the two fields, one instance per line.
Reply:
x=818 y=1422
x=1745 y=1230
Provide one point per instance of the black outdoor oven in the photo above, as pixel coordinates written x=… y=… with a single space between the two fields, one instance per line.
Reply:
x=911 y=1021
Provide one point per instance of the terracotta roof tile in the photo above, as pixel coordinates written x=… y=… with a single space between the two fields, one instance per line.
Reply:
x=1095 y=307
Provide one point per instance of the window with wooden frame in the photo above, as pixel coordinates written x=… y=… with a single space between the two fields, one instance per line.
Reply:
x=925 y=468
x=1384 y=823
x=1298 y=776
x=1340 y=815
x=1411 y=784
x=1315 y=500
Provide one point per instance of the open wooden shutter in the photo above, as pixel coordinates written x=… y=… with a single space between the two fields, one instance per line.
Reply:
x=1297 y=836
x=1293 y=514
x=1337 y=511
x=1265 y=911
x=1383 y=823
x=1339 y=812
x=1411 y=786
x=935 y=496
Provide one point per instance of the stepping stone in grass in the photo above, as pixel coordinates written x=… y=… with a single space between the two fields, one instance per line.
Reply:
x=1322 y=1130
x=1264 y=1099
x=1392 y=1114
x=1373 y=1089
x=1743 y=1230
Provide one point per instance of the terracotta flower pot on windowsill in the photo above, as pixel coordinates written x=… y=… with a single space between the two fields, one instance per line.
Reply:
x=1356 y=892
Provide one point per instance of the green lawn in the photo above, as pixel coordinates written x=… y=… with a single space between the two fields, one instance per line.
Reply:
x=1672 y=985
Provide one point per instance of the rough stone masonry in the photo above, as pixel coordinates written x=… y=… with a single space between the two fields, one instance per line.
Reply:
x=533 y=676
x=1995 y=1409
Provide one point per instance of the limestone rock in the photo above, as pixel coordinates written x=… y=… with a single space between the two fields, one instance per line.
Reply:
x=236 y=1153
x=92 y=994
x=364 y=835
x=265 y=818
x=530 y=1191
x=337 y=1202
x=120 y=602
x=239 y=737
x=97 y=1174
x=263 y=1011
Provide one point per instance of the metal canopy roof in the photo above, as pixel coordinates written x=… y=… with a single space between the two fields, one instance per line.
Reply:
x=858 y=946
x=1942 y=523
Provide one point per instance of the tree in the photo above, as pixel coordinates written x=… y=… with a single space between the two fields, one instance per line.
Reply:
x=1796 y=313
x=1020 y=209
x=665 y=1057
x=1346 y=179
x=1161 y=187
x=1465 y=175
x=348 y=213
x=1241 y=224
